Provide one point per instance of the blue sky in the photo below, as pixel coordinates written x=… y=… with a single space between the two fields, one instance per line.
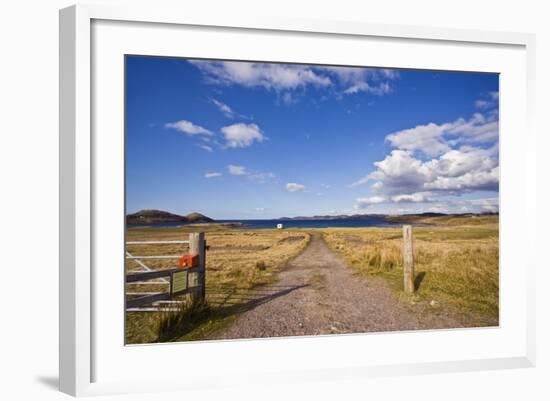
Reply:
x=240 y=140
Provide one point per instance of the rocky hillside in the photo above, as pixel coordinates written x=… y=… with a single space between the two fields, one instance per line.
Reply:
x=150 y=216
x=198 y=218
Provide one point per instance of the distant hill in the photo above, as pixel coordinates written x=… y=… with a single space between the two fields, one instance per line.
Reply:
x=389 y=218
x=151 y=216
x=198 y=218
x=338 y=217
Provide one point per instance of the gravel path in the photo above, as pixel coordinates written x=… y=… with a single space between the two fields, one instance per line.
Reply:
x=318 y=294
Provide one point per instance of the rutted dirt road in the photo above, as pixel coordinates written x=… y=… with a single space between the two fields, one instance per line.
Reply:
x=318 y=294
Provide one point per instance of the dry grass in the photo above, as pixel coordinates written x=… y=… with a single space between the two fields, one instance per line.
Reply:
x=236 y=261
x=447 y=220
x=456 y=264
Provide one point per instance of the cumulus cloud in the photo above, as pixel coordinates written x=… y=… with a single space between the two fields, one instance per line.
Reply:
x=425 y=138
x=479 y=129
x=485 y=204
x=236 y=170
x=487 y=180
x=295 y=187
x=372 y=200
x=212 y=175
x=464 y=169
x=242 y=135
x=435 y=139
x=398 y=172
x=414 y=197
x=188 y=128
x=438 y=164
x=377 y=185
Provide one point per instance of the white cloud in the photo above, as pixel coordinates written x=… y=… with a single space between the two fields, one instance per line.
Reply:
x=379 y=89
x=224 y=108
x=489 y=100
x=369 y=80
x=294 y=187
x=446 y=204
x=414 y=197
x=261 y=177
x=348 y=75
x=206 y=147
x=361 y=181
x=212 y=175
x=439 y=208
x=291 y=77
x=358 y=87
x=287 y=98
x=188 y=128
x=242 y=135
x=267 y=75
x=400 y=177
x=236 y=170
x=484 y=179
x=482 y=104
x=372 y=200
x=460 y=161
x=435 y=139
x=479 y=129
x=398 y=173
x=353 y=74
x=486 y=204
x=377 y=185
x=426 y=138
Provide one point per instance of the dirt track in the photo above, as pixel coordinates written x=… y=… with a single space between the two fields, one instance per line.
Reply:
x=318 y=294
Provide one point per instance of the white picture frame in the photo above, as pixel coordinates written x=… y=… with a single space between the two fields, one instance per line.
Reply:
x=81 y=347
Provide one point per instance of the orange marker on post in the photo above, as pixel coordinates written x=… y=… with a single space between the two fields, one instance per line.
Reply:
x=187 y=261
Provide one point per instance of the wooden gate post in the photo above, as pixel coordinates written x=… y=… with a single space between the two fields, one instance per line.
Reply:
x=197 y=247
x=408 y=260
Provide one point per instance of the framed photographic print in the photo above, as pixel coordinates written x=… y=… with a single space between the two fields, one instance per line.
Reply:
x=330 y=193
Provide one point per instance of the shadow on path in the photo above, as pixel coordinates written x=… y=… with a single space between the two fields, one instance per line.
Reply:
x=223 y=302
x=230 y=301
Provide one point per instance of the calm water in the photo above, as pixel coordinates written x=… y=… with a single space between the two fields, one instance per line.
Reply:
x=374 y=221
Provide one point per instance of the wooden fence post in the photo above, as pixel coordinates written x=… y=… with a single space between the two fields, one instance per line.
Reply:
x=408 y=260
x=197 y=247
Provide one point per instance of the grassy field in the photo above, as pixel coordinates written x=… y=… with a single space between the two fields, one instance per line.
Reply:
x=237 y=262
x=456 y=264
